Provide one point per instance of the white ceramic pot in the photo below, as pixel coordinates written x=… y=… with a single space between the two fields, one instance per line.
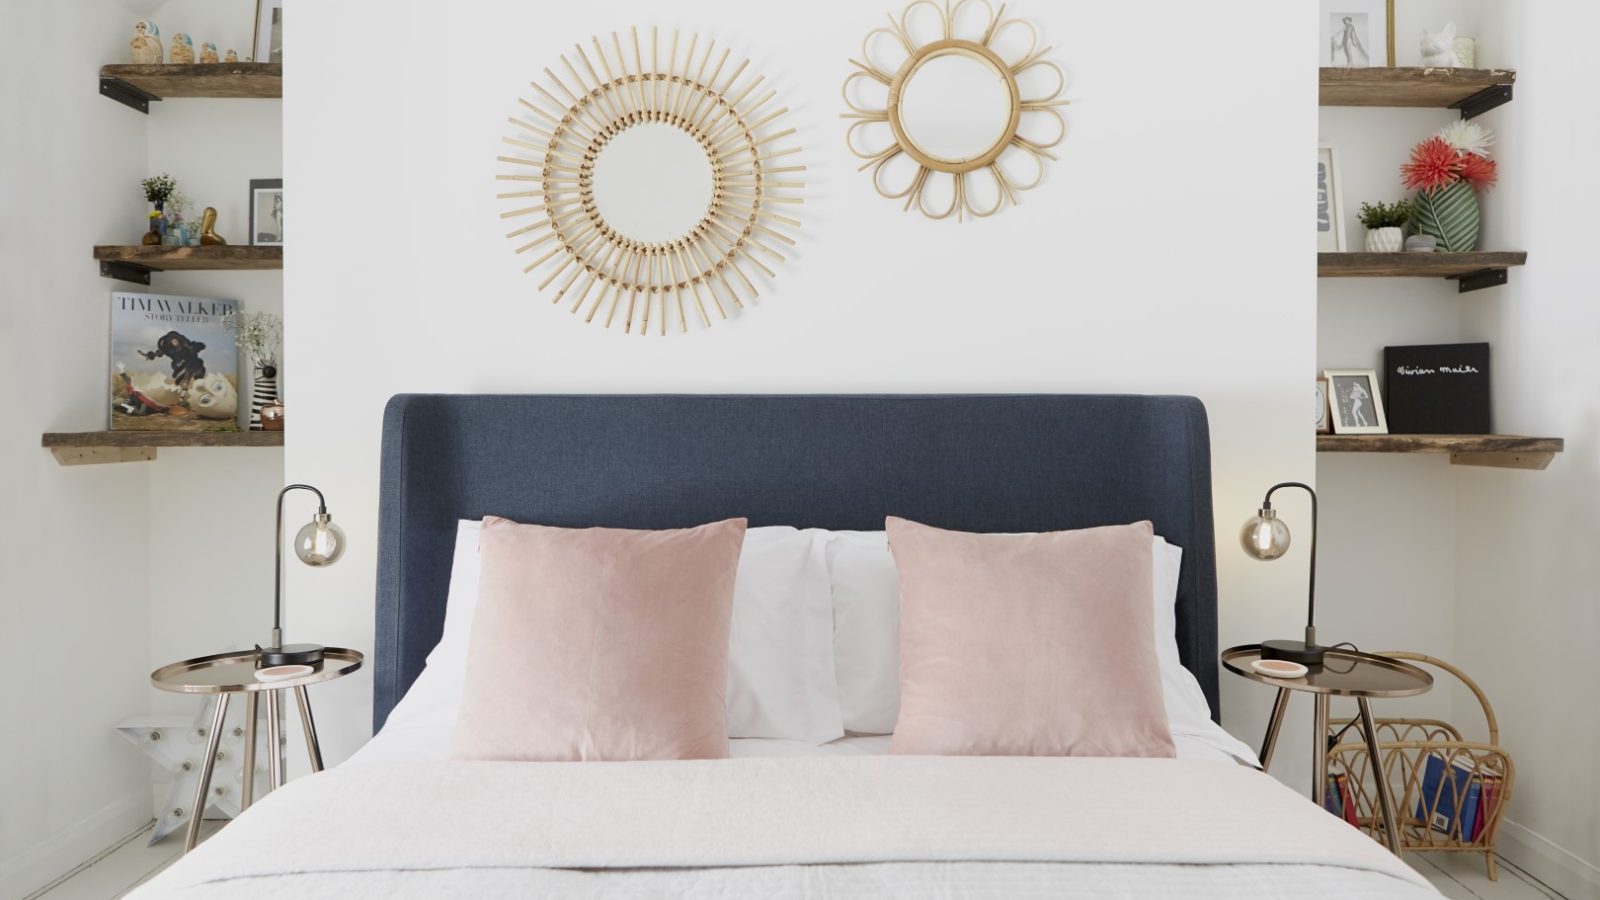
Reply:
x=1385 y=240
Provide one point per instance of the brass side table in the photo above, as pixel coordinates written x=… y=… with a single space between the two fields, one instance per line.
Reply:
x=226 y=674
x=1345 y=673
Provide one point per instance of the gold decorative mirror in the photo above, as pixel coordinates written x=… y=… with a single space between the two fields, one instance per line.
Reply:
x=656 y=172
x=963 y=102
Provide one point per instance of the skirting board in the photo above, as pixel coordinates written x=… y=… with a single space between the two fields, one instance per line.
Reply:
x=1572 y=877
x=48 y=860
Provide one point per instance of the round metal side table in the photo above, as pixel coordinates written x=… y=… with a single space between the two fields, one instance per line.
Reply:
x=1345 y=673
x=226 y=674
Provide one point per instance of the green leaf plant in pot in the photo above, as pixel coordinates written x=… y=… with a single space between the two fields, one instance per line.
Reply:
x=1448 y=171
x=1386 y=224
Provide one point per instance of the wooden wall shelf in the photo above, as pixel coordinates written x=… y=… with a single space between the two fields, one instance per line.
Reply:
x=135 y=263
x=94 y=447
x=1472 y=271
x=1472 y=91
x=1506 y=451
x=138 y=86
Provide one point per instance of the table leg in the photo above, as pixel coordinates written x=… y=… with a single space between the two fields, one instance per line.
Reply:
x=202 y=792
x=248 y=788
x=274 y=742
x=1319 y=751
x=1270 y=742
x=313 y=749
x=1381 y=783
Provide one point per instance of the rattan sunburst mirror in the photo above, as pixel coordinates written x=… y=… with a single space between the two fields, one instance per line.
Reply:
x=655 y=169
x=960 y=104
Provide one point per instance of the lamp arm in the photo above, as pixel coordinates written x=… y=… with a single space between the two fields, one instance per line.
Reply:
x=1311 y=591
x=277 y=560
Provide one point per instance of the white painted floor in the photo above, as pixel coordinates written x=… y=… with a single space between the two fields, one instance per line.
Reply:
x=120 y=869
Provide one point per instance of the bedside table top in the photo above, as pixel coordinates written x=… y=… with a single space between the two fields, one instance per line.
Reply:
x=1346 y=673
x=224 y=673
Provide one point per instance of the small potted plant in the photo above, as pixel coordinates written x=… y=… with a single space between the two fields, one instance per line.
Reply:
x=1386 y=224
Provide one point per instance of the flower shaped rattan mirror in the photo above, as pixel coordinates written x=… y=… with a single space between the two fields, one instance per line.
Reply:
x=654 y=168
x=963 y=89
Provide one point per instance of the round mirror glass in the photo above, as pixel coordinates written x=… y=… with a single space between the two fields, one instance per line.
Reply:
x=955 y=107
x=653 y=183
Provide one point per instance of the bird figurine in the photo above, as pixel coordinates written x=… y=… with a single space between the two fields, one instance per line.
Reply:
x=208 y=229
x=232 y=56
x=208 y=52
x=182 y=49
x=145 y=48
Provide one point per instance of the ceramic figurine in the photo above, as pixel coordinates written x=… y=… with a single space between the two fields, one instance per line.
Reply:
x=231 y=57
x=182 y=49
x=208 y=229
x=146 y=44
x=1439 y=50
x=208 y=52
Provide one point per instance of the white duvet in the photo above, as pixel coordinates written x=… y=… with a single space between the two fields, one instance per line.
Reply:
x=815 y=826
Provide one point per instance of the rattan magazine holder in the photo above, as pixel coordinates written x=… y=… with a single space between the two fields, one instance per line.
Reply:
x=1405 y=746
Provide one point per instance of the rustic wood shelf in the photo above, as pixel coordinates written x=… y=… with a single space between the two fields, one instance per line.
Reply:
x=93 y=447
x=1472 y=91
x=1506 y=451
x=1472 y=271
x=138 y=86
x=135 y=263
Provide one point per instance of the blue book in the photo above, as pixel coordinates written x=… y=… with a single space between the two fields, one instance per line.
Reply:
x=1457 y=790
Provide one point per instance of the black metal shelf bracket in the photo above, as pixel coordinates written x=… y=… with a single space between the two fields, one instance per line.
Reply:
x=1483 y=101
x=124 y=271
x=1485 y=278
x=127 y=94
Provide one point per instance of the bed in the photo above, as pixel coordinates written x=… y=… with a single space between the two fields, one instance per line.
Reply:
x=399 y=820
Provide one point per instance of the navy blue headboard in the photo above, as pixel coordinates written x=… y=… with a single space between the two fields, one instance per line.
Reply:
x=966 y=462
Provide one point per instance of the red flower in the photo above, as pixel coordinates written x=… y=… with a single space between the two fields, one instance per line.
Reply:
x=1434 y=165
x=1478 y=171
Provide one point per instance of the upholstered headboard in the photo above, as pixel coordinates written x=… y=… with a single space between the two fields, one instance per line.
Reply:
x=967 y=462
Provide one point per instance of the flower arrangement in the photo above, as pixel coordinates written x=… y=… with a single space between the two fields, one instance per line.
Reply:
x=158 y=189
x=1386 y=215
x=1459 y=153
x=259 y=334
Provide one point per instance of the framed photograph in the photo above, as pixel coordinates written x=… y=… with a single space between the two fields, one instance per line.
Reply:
x=1357 y=34
x=269 y=31
x=1324 y=412
x=1330 y=202
x=266 y=212
x=1357 y=407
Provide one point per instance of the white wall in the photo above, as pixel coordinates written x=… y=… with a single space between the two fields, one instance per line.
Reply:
x=1152 y=260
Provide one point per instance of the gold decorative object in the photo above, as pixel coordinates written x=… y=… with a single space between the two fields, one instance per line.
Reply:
x=1404 y=748
x=634 y=279
x=964 y=41
x=208 y=229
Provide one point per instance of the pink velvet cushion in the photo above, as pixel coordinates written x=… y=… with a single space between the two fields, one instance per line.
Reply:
x=599 y=644
x=1027 y=644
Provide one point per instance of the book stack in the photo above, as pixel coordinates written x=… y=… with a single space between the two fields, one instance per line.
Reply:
x=1462 y=798
x=1339 y=799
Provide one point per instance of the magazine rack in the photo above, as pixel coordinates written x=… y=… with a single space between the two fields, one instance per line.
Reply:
x=1482 y=771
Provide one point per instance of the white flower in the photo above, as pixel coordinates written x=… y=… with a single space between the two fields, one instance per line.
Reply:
x=1468 y=137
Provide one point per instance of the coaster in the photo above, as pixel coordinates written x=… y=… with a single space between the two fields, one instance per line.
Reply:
x=282 y=673
x=1272 y=668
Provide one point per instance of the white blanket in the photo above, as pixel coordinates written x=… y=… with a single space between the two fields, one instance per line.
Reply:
x=909 y=825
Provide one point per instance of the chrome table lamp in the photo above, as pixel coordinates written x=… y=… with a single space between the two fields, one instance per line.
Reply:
x=1266 y=538
x=320 y=543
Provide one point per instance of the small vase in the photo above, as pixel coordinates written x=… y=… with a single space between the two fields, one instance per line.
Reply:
x=1451 y=215
x=1385 y=240
x=263 y=392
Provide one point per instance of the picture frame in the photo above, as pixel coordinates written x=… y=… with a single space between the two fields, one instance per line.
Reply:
x=1330 y=201
x=1356 y=34
x=1324 y=409
x=1357 y=401
x=266 y=212
x=268 y=43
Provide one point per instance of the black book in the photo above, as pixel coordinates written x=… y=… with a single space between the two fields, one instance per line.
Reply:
x=1437 y=389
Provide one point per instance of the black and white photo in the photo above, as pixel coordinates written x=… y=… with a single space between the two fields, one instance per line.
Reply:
x=266 y=212
x=1357 y=405
x=1357 y=34
x=1324 y=419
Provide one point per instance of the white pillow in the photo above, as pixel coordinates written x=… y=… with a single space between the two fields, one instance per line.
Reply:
x=781 y=681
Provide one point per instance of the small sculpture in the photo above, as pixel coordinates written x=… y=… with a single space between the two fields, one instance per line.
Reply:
x=182 y=49
x=231 y=57
x=145 y=48
x=208 y=229
x=208 y=53
x=1439 y=50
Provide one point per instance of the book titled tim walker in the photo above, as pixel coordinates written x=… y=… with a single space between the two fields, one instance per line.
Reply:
x=174 y=364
